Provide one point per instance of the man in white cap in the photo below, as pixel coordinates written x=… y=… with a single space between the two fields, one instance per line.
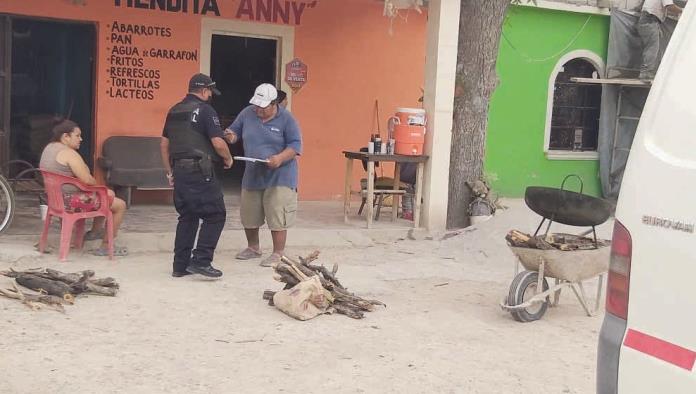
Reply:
x=269 y=190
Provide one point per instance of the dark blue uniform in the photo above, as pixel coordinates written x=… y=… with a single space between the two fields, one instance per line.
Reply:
x=197 y=193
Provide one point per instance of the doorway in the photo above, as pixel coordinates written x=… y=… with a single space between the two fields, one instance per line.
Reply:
x=51 y=73
x=238 y=64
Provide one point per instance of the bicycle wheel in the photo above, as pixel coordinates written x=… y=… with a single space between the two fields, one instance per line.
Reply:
x=7 y=204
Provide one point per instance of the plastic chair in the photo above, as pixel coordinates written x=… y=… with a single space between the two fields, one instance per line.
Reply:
x=53 y=184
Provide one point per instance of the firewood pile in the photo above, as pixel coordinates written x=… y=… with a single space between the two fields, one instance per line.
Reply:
x=564 y=242
x=338 y=298
x=54 y=288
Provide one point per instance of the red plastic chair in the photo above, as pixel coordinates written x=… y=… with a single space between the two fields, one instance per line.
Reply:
x=53 y=184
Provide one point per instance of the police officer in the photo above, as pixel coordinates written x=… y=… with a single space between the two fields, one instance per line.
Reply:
x=192 y=140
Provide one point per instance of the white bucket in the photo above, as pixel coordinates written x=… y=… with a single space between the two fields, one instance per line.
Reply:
x=479 y=219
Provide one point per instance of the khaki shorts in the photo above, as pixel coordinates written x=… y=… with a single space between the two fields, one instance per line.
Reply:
x=275 y=205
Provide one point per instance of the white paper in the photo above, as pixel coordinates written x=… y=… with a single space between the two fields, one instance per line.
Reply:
x=251 y=159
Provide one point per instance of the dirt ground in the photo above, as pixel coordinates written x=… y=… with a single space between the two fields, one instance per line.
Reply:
x=442 y=331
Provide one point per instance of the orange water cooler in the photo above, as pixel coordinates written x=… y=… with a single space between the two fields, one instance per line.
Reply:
x=409 y=139
x=408 y=131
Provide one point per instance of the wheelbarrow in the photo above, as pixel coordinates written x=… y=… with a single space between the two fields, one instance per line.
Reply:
x=529 y=295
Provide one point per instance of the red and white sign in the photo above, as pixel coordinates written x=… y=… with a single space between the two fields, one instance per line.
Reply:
x=296 y=74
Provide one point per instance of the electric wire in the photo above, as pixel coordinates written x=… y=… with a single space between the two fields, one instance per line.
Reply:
x=530 y=59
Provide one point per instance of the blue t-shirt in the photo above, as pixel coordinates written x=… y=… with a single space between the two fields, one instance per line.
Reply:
x=263 y=140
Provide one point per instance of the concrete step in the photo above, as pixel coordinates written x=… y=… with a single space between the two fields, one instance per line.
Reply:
x=16 y=247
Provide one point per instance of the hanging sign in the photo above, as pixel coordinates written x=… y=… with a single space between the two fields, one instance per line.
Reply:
x=296 y=74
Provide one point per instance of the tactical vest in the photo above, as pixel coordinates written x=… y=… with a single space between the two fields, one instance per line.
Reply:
x=185 y=142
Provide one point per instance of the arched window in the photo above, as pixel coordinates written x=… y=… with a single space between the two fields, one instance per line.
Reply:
x=573 y=118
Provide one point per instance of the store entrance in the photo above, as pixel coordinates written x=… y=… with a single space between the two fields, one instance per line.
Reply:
x=238 y=65
x=51 y=66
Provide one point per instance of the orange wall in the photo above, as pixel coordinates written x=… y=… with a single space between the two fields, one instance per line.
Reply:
x=351 y=57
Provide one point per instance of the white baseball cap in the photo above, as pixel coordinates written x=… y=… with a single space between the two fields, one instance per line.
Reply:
x=264 y=95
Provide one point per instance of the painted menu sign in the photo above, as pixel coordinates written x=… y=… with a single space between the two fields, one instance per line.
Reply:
x=130 y=74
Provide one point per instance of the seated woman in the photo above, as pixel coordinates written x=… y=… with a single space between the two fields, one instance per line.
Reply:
x=61 y=156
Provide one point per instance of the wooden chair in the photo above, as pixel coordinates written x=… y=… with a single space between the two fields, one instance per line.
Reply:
x=383 y=187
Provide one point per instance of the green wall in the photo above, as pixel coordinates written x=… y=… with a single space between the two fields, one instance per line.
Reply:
x=534 y=41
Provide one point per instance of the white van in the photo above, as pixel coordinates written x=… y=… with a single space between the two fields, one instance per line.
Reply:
x=648 y=339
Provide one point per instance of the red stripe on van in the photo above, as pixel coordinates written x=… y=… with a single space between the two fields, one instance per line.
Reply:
x=665 y=351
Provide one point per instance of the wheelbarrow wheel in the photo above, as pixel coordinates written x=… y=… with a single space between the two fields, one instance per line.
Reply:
x=522 y=289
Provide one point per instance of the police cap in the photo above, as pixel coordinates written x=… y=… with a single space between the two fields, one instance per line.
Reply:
x=199 y=81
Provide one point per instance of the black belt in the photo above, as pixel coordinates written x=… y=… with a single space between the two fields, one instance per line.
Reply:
x=186 y=163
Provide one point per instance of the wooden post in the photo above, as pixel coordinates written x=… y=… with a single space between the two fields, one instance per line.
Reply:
x=418 y=197
x=395 y=197
x=347 y=192
x=370 y=192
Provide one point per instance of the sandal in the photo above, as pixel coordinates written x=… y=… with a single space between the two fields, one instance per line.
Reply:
x=119 y=251
x=270 y=260
x=248 y=254
x=47 y=250
x=92 y=235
